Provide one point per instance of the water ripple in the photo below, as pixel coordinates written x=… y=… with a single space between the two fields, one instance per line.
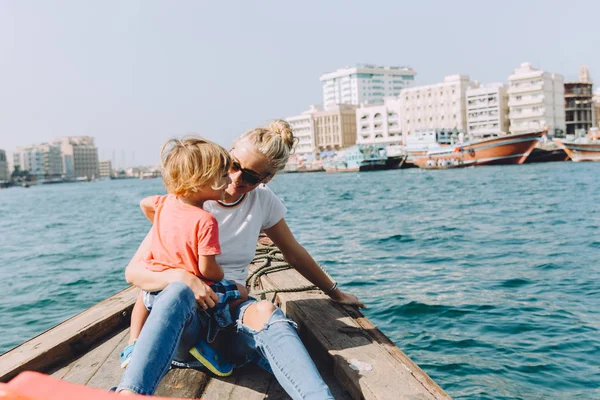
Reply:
x=488 y=278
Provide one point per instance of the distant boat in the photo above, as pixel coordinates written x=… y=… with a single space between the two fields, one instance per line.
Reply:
x=547 y=152
x=357 y=158
x=586 y=148
x=148 y=175
x=508 y=149
x=396 y=156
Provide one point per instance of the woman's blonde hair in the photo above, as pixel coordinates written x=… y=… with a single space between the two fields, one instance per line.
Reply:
x=191 y=162
x=276 y=142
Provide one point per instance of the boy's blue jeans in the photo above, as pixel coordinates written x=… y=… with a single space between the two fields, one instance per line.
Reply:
x=174 y=326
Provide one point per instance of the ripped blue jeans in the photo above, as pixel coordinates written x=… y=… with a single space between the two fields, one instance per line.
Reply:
x=174 y=326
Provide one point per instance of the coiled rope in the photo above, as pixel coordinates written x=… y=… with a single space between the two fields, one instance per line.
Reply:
x=269 y=259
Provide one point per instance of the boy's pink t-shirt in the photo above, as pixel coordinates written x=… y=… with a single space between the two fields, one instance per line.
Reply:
x=180 y=233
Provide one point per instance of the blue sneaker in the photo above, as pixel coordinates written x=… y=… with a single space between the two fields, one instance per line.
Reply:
x=211 y=359
x=126 y=355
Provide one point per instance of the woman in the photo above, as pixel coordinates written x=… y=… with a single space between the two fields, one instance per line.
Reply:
x=263 y=332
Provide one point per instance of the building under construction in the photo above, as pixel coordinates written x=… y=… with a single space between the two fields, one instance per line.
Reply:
x=579 y=107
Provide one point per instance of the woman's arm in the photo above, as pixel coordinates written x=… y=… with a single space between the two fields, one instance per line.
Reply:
x=137 y=274
x=302 y=261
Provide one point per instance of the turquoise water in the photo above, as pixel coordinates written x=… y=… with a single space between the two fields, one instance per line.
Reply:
x=488 y=278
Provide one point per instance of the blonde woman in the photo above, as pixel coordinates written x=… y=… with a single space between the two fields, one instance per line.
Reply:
x=263 y=332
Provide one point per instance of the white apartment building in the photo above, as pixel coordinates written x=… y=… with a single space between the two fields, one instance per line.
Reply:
x=4 y=176
x=80 y=156
x=380 y=124
x=439 y=106
x=29 y=159
x=487 y=111
x=105 y=169
x=536 y=100
x=44 y=161
x=365 y=84
x=303 y=126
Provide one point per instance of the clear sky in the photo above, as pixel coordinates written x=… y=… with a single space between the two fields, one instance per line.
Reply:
x=134 y=73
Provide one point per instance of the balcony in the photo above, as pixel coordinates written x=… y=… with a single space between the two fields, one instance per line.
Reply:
x=483 y=118
x=525 y=101
x=526 y=88
x=527 y=114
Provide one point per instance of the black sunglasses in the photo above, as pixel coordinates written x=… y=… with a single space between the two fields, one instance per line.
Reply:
x=248 y=176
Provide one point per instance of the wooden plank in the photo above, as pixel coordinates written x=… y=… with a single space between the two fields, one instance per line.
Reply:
x=62 y=371
x=183 y=383
x=398 y=354
x=249 y=383
x=71 y=338
x=84 y=368
x=110 y=372
x=329 y=329
x=220 y=388
x=324 y=366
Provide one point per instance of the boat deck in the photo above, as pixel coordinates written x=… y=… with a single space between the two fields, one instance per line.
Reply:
x=100 y=368
x=356 y=359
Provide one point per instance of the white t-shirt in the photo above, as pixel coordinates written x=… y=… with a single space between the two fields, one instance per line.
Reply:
x=239 y=227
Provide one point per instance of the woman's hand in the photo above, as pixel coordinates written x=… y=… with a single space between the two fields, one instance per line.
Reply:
x=204 y=295
x=346 y=298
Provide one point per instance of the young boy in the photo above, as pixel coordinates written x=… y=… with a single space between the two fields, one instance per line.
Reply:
x=187 y=237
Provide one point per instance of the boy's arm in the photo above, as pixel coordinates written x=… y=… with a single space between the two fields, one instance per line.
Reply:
x=208 y=248
x=147 y=206
x=209 y=269
x=243 y=292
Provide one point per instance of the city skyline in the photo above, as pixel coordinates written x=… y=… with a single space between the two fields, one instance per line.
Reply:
x=134 y=74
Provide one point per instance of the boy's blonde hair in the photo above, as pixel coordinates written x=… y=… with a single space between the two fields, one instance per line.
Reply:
x=191 y=162
x=276 y=142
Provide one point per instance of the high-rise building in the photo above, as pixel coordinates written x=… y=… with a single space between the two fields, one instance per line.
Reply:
x=438 y=106
x=380 y=124
x=44 y=161
x=536 y=100
x=487 y=111
x=579 y=105
x=29 y=159
x=303 y=126
x=364 y=84
x=105 y=169
x=335 y=127
x=80 y=156
x=4 y=176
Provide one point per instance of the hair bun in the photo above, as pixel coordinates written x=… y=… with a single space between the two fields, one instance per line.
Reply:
x=284 y=129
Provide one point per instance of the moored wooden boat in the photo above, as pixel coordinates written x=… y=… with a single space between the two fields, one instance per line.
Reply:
x=356 y=359
x=582 y=149
x=508 y=149
x=540 y=154
x=358 y=158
